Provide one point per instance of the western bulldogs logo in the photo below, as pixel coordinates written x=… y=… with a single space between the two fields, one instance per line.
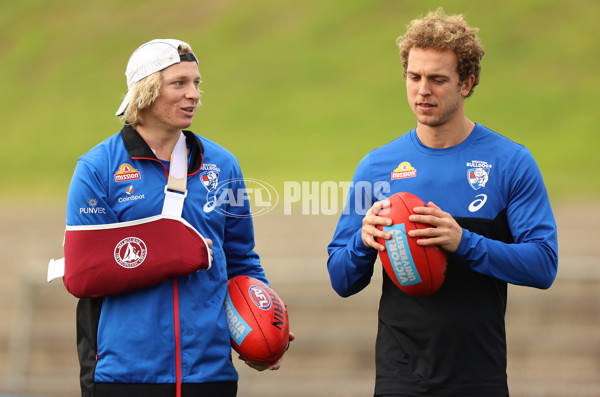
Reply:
x=479 y=174
x=130 y=252
x=478 y=177
x=210 y=179
x=260 y=297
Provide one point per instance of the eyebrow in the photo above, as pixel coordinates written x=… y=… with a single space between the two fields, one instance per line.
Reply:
x=184 y=77
x=432 y=76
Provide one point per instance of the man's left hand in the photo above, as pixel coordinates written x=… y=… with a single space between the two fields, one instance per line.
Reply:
x=261 y=367
x=444 y=232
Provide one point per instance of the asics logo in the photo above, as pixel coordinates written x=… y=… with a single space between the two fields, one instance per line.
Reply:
x=479 y=201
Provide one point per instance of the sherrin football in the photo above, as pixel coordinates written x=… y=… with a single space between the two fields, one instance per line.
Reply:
x=257 y=319
x=417 y=270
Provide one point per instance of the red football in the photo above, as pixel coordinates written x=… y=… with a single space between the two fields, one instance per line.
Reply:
x=416 y=270
x=257 y=319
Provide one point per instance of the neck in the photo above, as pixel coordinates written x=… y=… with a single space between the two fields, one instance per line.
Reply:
x=160 y=141
x=446 y=135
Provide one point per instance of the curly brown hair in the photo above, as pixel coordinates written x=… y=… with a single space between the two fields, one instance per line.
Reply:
x=443 y=32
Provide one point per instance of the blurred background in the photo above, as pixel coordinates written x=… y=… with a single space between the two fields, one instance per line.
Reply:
x=298 y=91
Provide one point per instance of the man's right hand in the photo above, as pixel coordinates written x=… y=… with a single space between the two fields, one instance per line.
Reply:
x=369 y=229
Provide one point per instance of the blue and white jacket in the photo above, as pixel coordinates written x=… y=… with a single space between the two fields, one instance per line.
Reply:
x=175 y=332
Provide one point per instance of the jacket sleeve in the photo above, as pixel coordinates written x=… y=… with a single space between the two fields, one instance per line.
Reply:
x=350 y=262
x=87 y=198
x=532 y=260
x=238 y=242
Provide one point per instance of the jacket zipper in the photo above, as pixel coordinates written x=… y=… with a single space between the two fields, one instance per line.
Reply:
x=177 y=338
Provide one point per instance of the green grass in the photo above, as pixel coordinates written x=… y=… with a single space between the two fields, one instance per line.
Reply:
x=297 y=90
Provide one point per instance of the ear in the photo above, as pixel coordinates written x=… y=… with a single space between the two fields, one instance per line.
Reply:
x=467 y=85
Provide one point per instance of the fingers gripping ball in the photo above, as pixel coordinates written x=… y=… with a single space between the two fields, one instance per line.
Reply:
x=257 y=319
x=417 y=270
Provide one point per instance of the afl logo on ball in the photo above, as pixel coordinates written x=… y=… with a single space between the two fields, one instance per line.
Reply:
x=130 y=252
x=260 y=297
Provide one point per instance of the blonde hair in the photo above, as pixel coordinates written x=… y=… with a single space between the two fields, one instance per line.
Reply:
x=442 y=32
x=144 y=93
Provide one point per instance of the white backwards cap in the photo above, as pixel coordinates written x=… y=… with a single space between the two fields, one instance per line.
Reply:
x=149 y=58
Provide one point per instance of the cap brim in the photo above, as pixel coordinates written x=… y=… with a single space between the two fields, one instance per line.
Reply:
x=123 y=104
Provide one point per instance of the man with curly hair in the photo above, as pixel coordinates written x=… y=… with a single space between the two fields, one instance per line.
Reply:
x=487 y=207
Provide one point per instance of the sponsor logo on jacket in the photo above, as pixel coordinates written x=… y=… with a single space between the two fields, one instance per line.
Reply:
x=92 y=208
x=404 y=170
x=130 y=196
x=126 y=173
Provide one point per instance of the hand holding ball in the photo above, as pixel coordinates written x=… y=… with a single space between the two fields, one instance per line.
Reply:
x=416 y=270
x=257 y=319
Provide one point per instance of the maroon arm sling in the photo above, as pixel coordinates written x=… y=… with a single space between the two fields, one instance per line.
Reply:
x=116 y=258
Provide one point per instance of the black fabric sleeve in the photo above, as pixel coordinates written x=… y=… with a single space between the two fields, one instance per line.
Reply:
x=88 y=316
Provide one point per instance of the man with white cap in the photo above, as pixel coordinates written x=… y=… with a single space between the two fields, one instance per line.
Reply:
x=170 y=338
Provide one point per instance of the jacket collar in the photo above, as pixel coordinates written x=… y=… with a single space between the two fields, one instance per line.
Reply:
x=139 y=149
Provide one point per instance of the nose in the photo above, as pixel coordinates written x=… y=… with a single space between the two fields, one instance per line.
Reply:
x=192 y=92
x=424 y=87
